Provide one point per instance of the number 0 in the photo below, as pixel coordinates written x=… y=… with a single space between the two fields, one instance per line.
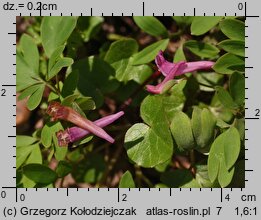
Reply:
x=240 y=6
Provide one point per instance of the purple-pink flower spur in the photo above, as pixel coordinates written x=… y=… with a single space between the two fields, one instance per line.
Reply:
x=75 y=133
x=58 y=111
x=171 y=70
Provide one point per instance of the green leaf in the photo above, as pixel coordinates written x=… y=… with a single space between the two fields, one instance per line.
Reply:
x=70 y=83
x=23 y=152
x=179 y=178
x=121 y=49
x=151 y=25
x=56 y=55
x=203 y=126
x=91 y=71
x=226 y=64
x=125 y=71
x=146 y=147
x=174 y=100
x=48 y=130
x=237 y=88
x=83 y=141
x=201 y=24
x=60 y=152
x=201 y=49
x=29 y=51
x=231 y=147
x=233 y=46
x=22 y=140
x=55 y=31
x=90 y=169
x=27 y=183
x=89 y=26
x=233 y=28
x=224 y=176
x=35 y=99
x=27 y=63
x=39 y=173
x=149 y=53
x=68 y=100
x=28 y=91
x=179 y=55
x=35 y=156
x=239 y=124
x=23 y=80
x=238 y=180
x=223 y=155
x=63 y=168
x=238 y=68
x=62 y=62
x=127 y=180
x=163 y=166
x=181 y=130
x=225 y=98
x=202 y=177
x=209 y=80
x=77 y=108
x=152 y=112
x=183 y=20
x=86 y=103
x=151 y=144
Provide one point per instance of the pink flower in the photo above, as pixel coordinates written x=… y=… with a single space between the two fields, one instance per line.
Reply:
x=58 y=111
x=75 y=133
x=170 y=70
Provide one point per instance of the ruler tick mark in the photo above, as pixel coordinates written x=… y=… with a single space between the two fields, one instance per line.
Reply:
x=118 y=198
x=143 y=8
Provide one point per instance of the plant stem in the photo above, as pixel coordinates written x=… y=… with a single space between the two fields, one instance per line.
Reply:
x=141 y=177
x=192 y=157
x=112 y=161
x=176 y=34
x=57 y=83
x=62 y=180
x=53 y=88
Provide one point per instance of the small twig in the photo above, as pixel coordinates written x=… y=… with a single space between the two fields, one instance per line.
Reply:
x=176 y=34
x=112 y=161
x=62 y=181
x=52 y=88
x=57 y=83
x=141 y=177
x=138 y=175
x=192 y=157
x=147 y=181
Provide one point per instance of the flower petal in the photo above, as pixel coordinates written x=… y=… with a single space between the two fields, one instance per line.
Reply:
x=76 y=133
x=163 y=65
x=198 y=65
x=178 y=67
x=57 y=111
x=63 y=137
x=167 y=67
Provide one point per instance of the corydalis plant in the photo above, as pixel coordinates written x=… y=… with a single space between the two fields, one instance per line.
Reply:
x=58 y=111
x=75 y=133
x=171 y=70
